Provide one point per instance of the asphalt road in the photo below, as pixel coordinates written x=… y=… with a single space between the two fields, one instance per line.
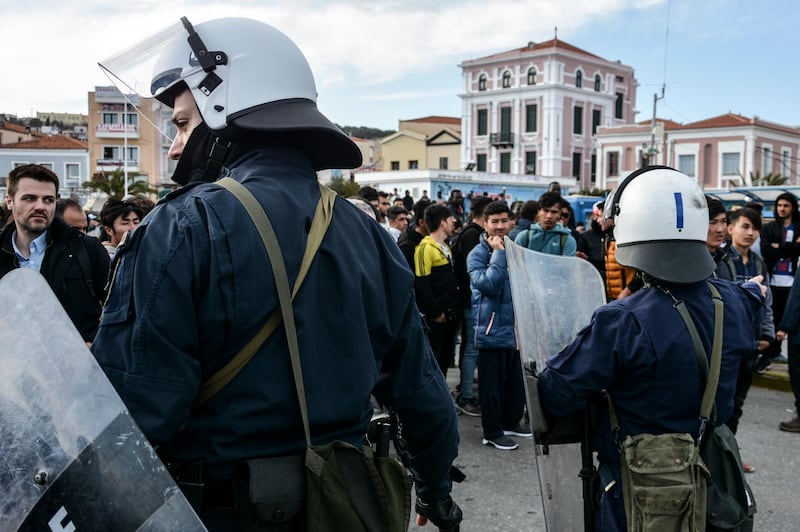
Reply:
x=501 y=492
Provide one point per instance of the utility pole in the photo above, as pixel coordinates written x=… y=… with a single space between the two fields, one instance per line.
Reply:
x=653 y=150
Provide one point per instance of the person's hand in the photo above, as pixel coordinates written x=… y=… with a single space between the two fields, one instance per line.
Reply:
x=581 y=255
x=496 y=242
x=775 y=245
x=763 y=344
x=445 y=514
x=759 y=280
x=780 y=336
x=441 y=318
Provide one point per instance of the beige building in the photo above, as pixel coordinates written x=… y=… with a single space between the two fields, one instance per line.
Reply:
x=120 y=138
x=431 y=142
x=720 y=152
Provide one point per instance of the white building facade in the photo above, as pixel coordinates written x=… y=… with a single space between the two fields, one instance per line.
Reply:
x=535 y=110
x=720 y=152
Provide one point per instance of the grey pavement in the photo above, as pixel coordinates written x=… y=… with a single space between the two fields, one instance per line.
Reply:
x=501 y=492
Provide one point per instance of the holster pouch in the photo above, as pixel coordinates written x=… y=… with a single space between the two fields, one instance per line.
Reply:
x=272 y=494
x=663 y=483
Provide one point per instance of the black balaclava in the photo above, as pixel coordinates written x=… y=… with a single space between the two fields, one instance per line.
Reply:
x=194 y=159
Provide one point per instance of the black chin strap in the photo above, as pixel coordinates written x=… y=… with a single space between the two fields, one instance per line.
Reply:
x=219 y=151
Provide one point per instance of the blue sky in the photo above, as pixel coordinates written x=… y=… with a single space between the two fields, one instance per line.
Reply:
x=380 y=61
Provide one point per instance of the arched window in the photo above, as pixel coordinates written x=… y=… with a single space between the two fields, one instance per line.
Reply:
x=579 y=79
x=531 y=76
x=482 y=82
x=506 y=79
x=597 y=83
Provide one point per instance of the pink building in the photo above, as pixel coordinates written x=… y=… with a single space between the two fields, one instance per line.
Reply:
x=719 y=152
x=535 y=110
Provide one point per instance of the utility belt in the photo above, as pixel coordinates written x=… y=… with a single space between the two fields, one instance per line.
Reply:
x=265 y=493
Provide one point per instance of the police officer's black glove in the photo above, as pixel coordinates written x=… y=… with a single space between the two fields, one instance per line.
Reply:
x=445 y=514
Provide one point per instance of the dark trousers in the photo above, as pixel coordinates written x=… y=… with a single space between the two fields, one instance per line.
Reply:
x=743 y=382
x=794 y=371
x=502 y=396
x=780 y=295
x=441 y=336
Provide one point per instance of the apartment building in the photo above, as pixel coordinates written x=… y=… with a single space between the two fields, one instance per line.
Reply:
x=119 y=138
x=535 y=110
x=720 y=151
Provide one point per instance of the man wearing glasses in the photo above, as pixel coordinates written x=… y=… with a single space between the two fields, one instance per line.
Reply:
x=548 y=235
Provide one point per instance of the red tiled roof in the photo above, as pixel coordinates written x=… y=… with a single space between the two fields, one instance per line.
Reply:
x=546 y=45
x=10 y=126
x=668 y=124
x=435 y=120
x=555 y=43
x=726 y=120
x=57 y=142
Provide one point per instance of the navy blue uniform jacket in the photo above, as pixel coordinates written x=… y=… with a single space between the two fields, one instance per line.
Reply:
x=639 y=350
x=194 y=285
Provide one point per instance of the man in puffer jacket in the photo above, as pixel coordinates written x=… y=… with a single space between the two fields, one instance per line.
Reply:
x=548 y=236
x=502 y=396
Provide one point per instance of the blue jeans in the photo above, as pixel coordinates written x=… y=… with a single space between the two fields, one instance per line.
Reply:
x=470 y=358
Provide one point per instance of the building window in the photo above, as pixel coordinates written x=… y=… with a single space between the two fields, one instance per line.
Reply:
x=576 y=165
x=531 y=76
x=766 y=161
x=505 y=162
x=597 y=83
x=613 y=163
x=786 y=162
x=578 y=79
x=49 y=166
x=505 y=122
x=593 y=167
x=72 y=172
x=531 y=118
x=482 y=82
x=413 y=165
x=506 y=79
x=577 y=121
x=686 y=165
x=530 y=162
x=483 y=121
x=730 y=164
x=132 y=119
x=481 y=162
x=442 y=163
x=618 y=105
x=596 y=119
x=110 y=118
x=395 y=165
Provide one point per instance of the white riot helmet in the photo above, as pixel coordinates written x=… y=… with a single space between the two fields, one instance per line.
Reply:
x=660 y=225
x=244 y=75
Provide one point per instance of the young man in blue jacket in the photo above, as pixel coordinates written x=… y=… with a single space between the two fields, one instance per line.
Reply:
x=502 y=396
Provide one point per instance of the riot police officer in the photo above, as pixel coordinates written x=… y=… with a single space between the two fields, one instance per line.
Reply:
x=194 y=284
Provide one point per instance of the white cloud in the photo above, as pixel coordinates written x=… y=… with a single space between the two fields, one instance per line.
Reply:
x=56 y=45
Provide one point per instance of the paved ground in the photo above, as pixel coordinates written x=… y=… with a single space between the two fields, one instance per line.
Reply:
x=501 y=492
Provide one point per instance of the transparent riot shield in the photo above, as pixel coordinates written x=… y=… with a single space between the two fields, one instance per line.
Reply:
x=71 y=457
x=554 y=297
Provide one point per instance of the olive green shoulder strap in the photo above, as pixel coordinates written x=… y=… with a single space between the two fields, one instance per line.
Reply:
x=319 y=226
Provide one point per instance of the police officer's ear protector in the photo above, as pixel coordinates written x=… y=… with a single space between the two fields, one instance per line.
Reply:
x=612 y=210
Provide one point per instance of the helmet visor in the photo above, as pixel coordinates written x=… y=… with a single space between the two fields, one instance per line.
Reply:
x=153 y=64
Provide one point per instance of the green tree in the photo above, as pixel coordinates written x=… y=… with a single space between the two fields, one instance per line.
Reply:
x=767 y=180
x=593 y=192
x=113 y=184
x=344 y=187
